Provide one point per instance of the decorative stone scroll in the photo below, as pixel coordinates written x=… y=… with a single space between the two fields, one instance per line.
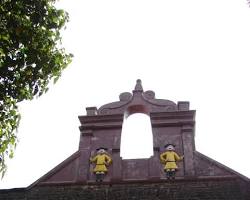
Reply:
x=139 y=97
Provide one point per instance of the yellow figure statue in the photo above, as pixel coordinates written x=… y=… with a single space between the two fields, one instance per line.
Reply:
x=102 y=160
x=169 y=159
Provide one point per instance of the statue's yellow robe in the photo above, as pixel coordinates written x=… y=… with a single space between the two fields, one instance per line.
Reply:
x=101 y=161
x=169 y=158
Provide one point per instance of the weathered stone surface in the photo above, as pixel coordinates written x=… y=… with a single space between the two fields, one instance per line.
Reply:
x=189 y=189
x=13 y=194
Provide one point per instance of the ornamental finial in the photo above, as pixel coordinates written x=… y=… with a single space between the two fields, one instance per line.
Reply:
x=138 y=86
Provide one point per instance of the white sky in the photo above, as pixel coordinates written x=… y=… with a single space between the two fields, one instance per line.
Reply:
x=136 y=137
x=185 y=50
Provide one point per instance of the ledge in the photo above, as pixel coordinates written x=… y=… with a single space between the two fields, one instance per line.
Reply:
x=145 y=181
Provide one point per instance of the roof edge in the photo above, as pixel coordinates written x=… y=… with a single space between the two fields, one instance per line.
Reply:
x=220 y=165
x=55 y=169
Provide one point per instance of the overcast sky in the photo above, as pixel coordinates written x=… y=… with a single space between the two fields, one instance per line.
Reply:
x=185 y=50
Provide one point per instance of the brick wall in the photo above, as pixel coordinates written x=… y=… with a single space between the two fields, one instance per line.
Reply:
x=18 y=193
x=175 y=190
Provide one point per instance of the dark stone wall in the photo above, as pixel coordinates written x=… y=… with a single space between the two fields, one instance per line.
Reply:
x=229 y=189
x=17 y=193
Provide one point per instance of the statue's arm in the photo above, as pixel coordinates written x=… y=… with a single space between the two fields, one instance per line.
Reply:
x=163 y=157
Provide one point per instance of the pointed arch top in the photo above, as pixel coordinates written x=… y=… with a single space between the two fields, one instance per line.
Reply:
x=142 y=102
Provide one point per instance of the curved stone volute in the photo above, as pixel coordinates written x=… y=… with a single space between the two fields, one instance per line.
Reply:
x=137 y=102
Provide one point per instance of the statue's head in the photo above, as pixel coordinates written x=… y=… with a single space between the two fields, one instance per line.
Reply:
x=169 y=147
x=101 y=150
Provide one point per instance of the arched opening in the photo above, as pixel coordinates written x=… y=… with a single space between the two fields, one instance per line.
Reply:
x=136 y=137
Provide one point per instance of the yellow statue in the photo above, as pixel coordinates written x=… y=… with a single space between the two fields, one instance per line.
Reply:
x=169 y=159
x=102 y=160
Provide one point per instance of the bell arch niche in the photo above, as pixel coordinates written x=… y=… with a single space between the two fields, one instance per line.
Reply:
x=136 y=136
x=170 y=122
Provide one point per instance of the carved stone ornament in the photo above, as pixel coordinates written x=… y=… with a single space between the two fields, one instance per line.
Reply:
x=145 y=99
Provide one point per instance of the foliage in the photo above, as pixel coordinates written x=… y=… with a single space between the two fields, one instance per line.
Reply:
x=30 y=58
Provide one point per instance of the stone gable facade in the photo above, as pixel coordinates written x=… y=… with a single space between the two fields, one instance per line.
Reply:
x=198 y=176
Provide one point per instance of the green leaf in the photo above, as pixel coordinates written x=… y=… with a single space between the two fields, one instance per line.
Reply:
x=30 y=59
